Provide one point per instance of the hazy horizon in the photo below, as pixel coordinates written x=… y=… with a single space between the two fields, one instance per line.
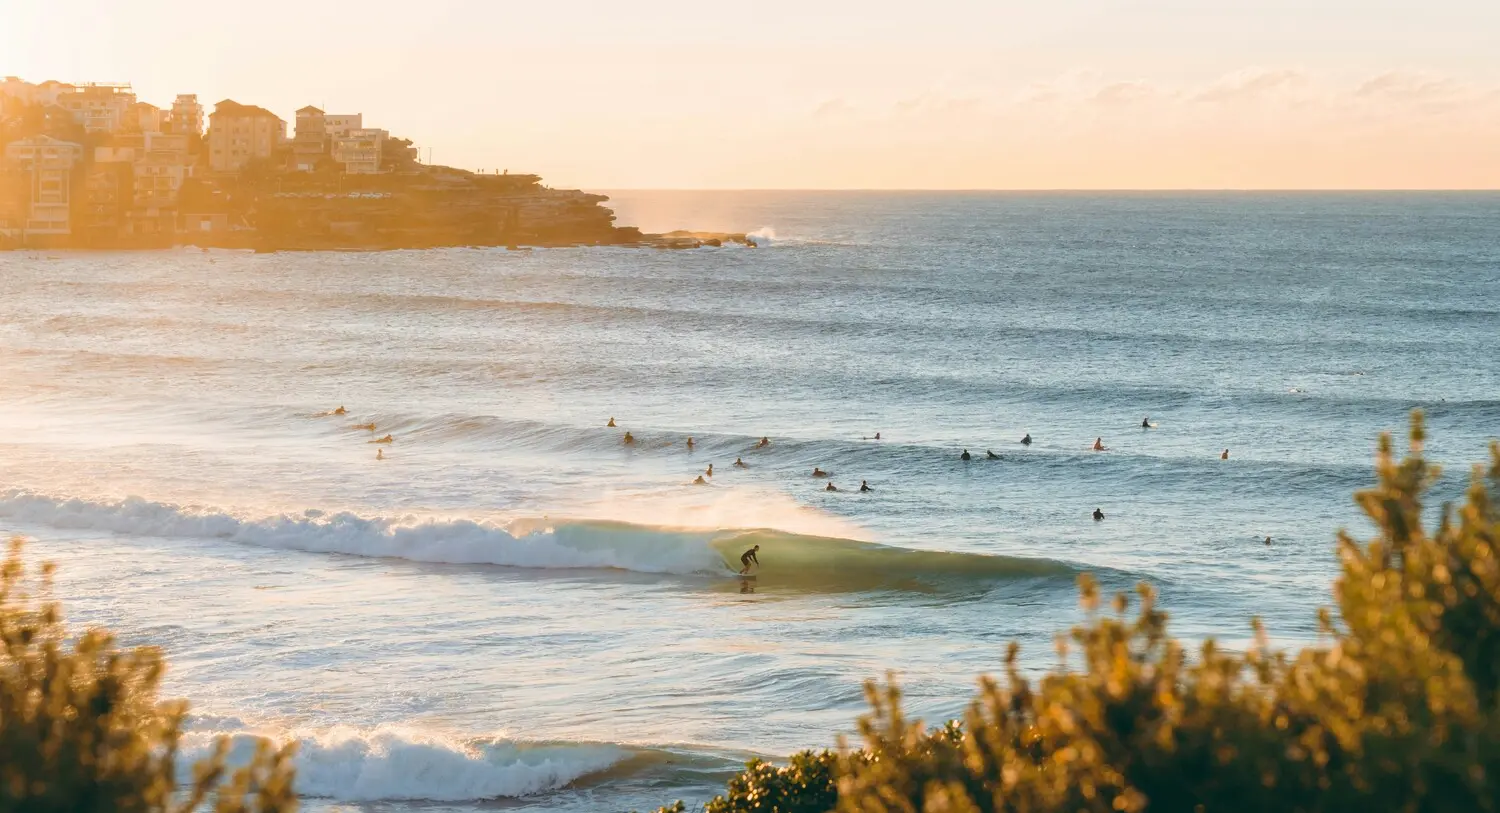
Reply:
x=1081 y=95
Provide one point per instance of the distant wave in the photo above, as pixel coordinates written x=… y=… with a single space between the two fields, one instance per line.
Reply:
x=399 y=763
x=797 y=454
x=790 y=561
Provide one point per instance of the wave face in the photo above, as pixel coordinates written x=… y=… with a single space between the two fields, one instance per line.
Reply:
x=803 y=562
x=788 y=561
x=396 y=763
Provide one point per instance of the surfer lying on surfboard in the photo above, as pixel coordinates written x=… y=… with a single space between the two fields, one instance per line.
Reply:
x=747 y=557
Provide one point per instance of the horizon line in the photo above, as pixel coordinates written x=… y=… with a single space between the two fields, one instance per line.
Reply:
x=1055 y=190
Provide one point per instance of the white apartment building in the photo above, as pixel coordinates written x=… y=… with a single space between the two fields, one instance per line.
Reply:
x=100 y=108
x=338 y=126
x=359 y=151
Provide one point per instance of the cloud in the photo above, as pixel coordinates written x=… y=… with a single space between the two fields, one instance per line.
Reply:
x=1252 y=83
x=1121 y=93
x=1415 y=86
x=832 y=108
x=936 y=104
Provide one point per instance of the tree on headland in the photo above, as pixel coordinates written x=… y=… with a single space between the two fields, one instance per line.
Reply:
x=1396 y=708
x=81 y=728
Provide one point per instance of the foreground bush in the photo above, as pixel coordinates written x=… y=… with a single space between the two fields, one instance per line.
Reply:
x=1394 y=710
x=81 y=728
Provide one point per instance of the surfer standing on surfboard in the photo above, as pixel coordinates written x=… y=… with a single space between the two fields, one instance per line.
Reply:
x=747 y=557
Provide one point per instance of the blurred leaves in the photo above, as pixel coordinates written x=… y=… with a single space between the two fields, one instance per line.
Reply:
x=81 y=728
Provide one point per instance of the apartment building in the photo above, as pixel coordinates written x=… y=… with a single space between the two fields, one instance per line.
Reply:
x=146 y=118
x=99 y=107
x=359 y=151
x=310 y=143
x=47 y=165
x=187 y=115
x=240 y=133
x=338 y=125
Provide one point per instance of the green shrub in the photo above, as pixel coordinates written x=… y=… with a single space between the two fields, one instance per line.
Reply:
x=81 y=729
x=1395 y=709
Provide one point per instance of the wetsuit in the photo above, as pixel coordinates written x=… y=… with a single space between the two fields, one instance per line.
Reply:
x=746 y=558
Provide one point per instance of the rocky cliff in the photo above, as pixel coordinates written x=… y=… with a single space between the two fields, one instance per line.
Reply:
x=436 y=206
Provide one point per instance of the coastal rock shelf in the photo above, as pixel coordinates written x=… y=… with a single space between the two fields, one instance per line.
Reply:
x=440 y=206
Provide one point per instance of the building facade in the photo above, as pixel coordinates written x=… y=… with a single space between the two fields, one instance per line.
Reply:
x=358 y=152
x=310 y=143
x=338 y=125
x=106 y=203
x=145 y=117
x=48 y=165
x=187 y=115
x=99 y=107
x=241 y=133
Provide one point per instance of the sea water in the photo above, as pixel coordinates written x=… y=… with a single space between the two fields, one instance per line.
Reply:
x=516 y=605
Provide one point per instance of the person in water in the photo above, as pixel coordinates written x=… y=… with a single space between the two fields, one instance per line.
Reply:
x=747 y=557
x=368 y=427
x=340 y=410
x=740 y=464
x=629 y=438
x=1225 y=455
x=700 y=481
x=1026 y=441
x=831 y=487
x=386 y=439
x=965 y=455
x=877 y=436
x=864 y=485
x=1268 y=540
x=1098 y=444
x=1098 y=515
x=1146 y=422
x=690 y=444
x=817 y=472
x=380 y=455
x=611 y=423
x=764 y=442
x=710 y=471
x=989 y=455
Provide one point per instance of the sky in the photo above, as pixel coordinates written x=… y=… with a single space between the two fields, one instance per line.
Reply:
x=835 y=94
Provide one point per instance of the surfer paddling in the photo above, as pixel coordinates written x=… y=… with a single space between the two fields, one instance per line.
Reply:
x=747 y=557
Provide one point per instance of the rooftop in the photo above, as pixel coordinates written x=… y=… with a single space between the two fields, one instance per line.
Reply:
x=230 y=107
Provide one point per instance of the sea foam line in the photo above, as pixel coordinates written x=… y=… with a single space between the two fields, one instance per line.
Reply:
x=456 y=541
x=391 y=762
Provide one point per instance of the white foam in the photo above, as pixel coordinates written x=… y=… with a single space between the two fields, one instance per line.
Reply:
x=400 y=763
x=763 y=236
x=455 y=541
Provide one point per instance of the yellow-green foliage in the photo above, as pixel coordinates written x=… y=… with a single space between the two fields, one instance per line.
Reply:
x=1394 y=710
x=82 y=731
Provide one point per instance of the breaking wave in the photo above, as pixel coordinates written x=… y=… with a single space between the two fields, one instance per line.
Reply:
x=789 y=561
x=400 y=763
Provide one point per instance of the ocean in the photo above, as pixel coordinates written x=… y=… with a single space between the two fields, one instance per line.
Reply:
x=516 y=607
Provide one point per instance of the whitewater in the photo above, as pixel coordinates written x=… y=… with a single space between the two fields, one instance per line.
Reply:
x=516 y=607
